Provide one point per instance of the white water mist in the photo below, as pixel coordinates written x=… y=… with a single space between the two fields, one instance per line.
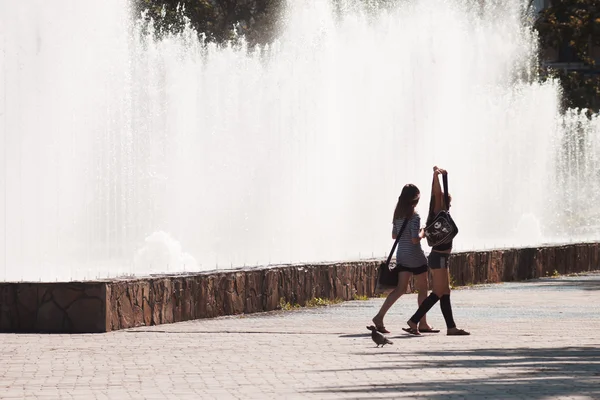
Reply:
x=125 y=154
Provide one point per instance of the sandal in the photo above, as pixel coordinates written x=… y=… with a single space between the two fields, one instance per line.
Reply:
x=380 y=328
x=412 y=331
x=431 y=330
x=458 y=332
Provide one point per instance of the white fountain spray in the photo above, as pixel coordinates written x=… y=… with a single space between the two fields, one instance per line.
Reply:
x=126 y=154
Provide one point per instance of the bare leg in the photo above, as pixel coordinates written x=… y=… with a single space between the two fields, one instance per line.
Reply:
x=440 y=285
x=422 y=285
x=444 y=278
x=392 y=298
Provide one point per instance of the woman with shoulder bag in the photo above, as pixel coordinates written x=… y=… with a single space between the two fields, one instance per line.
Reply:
x=410 y=258
x=439 y=224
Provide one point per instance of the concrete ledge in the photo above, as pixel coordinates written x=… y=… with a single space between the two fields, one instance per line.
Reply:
x=102 y=306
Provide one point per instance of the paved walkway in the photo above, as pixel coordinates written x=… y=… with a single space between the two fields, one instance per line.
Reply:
x=536 y=340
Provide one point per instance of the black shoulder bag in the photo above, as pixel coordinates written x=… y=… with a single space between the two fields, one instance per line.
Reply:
x=441 y=229
x=386 y=278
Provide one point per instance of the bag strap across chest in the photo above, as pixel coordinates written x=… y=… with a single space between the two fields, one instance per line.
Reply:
x=387 y=263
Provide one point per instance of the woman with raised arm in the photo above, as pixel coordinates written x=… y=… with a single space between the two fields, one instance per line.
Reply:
x=410 y=258
x=438 y=263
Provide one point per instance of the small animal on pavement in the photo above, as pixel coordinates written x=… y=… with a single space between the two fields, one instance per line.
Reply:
x=377 y=337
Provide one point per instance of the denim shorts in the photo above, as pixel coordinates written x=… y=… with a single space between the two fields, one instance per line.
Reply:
x=414 y=271
x=437 y=260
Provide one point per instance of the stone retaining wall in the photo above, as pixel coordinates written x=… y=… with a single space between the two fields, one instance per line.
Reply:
x=101 y=306
x=54 y=307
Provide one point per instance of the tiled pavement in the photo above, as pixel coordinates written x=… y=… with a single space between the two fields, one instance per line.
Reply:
x=534 y=340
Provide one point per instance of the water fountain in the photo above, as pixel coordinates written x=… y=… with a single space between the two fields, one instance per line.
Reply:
x=127 y=155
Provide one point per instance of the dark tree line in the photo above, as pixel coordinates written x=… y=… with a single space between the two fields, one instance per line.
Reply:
x=572 y=29
x=217 y=19
x=257 y=20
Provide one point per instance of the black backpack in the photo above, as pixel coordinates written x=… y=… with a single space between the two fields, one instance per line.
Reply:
x=440 y=228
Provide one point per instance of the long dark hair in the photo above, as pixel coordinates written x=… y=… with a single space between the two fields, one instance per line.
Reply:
x=407 y=201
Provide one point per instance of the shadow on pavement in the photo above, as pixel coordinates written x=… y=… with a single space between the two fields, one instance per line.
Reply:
x=577 y=284
x=532 y=373
x=355 y=335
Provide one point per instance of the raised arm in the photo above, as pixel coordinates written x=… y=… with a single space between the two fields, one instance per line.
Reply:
x=436 y=191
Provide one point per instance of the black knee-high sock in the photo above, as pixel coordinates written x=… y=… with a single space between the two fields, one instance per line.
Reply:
x=425 y=306
x=447 y=311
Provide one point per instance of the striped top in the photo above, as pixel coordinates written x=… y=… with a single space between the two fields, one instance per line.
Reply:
x=408 y=254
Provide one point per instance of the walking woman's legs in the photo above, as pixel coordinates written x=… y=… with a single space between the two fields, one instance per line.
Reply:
x=446 y=306
x=441 y=292
x=438 y=263
x=422 y=286
x=394 y=295
x=436 y=293
x=444 y=290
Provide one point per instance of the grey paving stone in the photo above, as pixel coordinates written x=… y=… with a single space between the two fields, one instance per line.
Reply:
x=533 y=340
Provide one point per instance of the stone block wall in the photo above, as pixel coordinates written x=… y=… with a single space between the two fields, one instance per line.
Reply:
x=170 y=299
x=53 y=307
x=505 y=265
x=101 y=306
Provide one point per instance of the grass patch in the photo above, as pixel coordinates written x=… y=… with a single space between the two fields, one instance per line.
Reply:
x=451 y=282
x=314 y=302
x=319 y=302
x=554 y=274
x=357 y=297
x=286 y=305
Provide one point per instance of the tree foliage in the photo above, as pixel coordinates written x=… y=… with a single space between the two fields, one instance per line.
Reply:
x=572 y=23
x=573 y=28
x=217 y=19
